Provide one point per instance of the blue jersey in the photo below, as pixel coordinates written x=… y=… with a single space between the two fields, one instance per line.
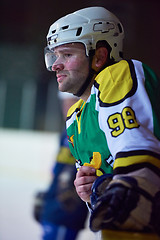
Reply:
x=62 y=206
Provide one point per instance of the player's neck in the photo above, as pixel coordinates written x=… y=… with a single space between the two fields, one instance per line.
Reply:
x=87 y=92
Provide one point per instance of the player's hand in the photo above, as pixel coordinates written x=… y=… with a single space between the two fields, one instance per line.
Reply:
x=126 y=203
x=83 y=182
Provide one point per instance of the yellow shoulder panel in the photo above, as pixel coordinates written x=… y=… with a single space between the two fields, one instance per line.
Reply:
x=115 y=82
x=73 y=108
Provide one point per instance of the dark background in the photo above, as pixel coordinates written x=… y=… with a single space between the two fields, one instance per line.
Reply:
x=28 y=92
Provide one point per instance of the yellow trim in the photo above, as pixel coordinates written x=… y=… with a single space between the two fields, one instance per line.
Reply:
x=117 y=235
x=71 y=140
x=96 y=161
x=78 y=124
x=78 y=117
x=127 y=161
x=114 y=82
x=74 y=107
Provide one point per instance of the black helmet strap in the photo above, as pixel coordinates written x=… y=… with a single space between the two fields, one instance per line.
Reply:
x=90 y=75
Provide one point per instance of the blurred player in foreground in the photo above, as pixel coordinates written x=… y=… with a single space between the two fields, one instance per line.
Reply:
x=59 y=210
x=114 y=129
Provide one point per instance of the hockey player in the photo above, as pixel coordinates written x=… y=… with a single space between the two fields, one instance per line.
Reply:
x=114 y=129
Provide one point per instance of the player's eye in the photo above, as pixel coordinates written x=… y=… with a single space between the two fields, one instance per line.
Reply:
x=67 y=55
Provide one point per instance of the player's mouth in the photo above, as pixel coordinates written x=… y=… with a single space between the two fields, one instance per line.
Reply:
x=60 y=77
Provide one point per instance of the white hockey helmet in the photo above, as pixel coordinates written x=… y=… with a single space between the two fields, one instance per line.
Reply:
x=87 y=26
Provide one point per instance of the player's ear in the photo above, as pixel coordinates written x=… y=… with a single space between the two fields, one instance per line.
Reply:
x=100 y=58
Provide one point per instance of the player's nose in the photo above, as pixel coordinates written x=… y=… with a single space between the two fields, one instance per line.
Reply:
x=57 y=66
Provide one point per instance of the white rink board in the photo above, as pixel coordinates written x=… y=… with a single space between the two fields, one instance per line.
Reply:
x=26 y=159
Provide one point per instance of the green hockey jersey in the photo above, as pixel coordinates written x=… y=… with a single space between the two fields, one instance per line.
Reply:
x=118 y=128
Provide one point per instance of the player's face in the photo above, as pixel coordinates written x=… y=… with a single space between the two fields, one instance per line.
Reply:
x=71 y=67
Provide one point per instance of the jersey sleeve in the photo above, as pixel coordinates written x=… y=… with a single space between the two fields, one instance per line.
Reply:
x=128 y=116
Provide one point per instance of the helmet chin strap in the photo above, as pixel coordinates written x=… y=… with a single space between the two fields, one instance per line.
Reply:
x=90 y=75
x=86 y=83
